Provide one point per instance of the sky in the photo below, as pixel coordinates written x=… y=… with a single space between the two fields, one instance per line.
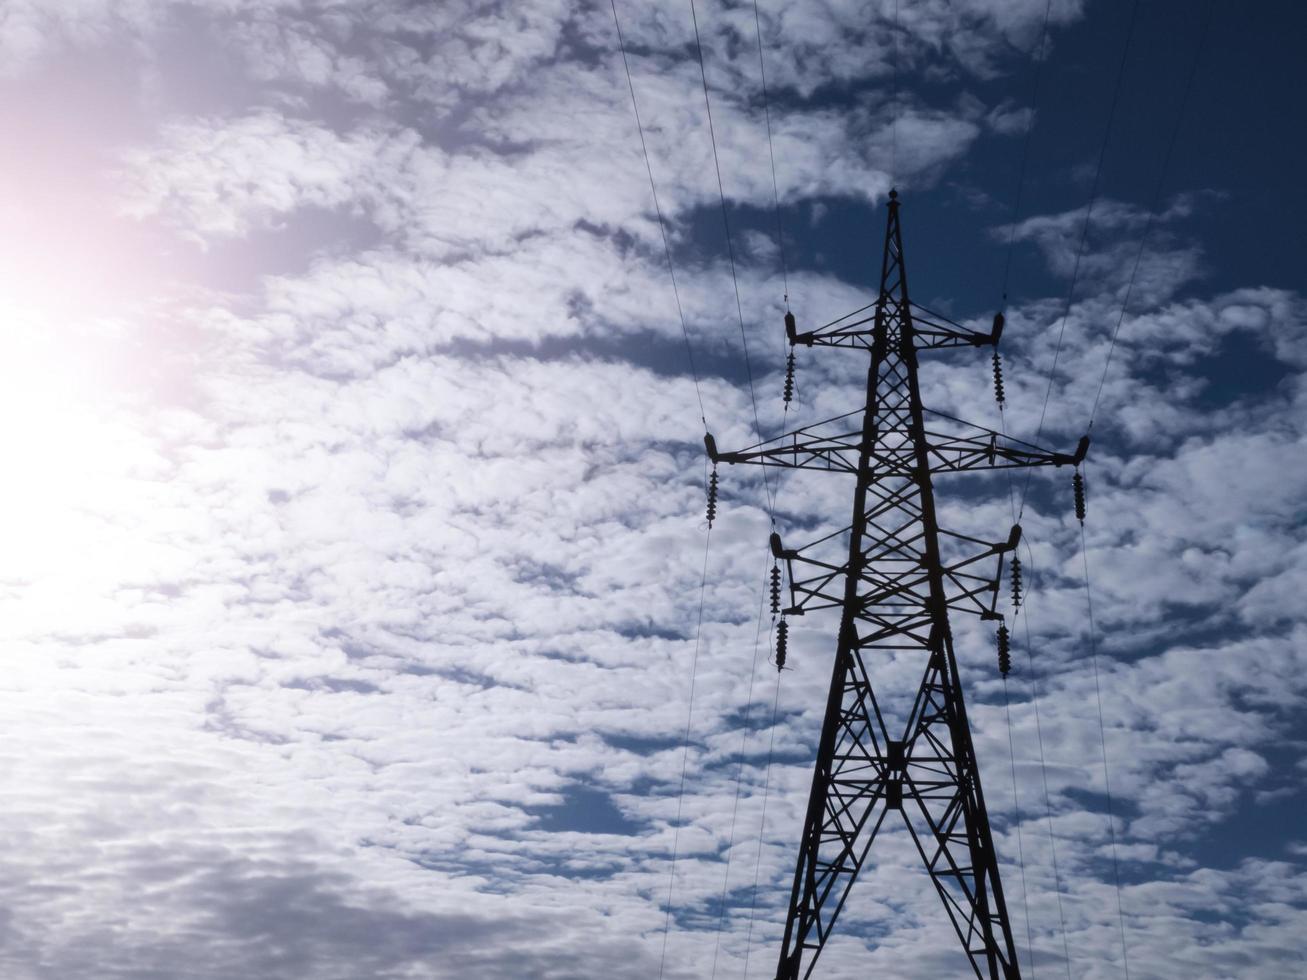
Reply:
x=353 y=518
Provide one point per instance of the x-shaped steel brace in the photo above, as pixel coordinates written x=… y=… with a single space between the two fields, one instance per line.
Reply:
x=975 y=593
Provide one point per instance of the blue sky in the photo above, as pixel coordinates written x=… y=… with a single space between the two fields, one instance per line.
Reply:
x=353 y=518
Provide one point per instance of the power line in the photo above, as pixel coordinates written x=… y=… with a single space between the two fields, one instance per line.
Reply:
x=1084 y=547
x=762 y=824
x=780 y=242
x=1102 y=736
x=703 y=577
x=1084 y=234
x=771 y=153
x=730 y=254
x=662 y=227
x=1043 y=769
x=739 y=770
x=1157 y=196
x=685 y=755
x=1025 y=149
x=1016 y=816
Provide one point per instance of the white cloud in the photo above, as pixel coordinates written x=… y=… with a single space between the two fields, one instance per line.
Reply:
x=303 y=659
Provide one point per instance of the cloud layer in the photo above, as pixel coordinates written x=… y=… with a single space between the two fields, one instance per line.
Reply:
x=354 y=539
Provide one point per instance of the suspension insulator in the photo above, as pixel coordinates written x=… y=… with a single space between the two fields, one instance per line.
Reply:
x=998 y=378
x=789 y=378
x=1004 y=651
x=1078 y=485
x=712 y=497
x=782 y=643
x=775 y=589
x=1016 y=582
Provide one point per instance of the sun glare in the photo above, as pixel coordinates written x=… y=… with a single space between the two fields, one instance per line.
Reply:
x=68 y=510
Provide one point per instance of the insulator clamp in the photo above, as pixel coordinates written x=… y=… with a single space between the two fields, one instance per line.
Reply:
x=997 y=330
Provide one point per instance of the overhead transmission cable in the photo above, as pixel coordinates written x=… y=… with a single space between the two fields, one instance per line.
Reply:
x=707 y=543
x=739 y=773
x=1102 y=737
x=745 y=733
x=1016 y=812
x=1043 y=767
x=730 y=255
x=1025 y=149
x=662 y=225
x=1084 y=235
x=1084 y=546
x=776 y=202
x=1032 y=111
x=1043 y=770
x=1156 y=201
x=766 y=786
x=685 y=753
x=1052 y=374
x=771 y=154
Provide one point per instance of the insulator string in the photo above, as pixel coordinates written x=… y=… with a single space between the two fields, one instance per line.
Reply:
x=712 y=497
x=1004 y=651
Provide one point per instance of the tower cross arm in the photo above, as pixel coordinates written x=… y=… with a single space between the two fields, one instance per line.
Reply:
x=993 y=451
x=834 y=447
x=930 y=331
x=822 y=446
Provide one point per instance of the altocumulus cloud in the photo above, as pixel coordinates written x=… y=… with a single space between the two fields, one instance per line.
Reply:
x=353 y=515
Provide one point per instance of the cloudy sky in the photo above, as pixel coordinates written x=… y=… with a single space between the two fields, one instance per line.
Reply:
x=352 y=521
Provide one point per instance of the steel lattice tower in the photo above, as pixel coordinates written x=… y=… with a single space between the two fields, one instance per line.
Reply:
x=895 y=591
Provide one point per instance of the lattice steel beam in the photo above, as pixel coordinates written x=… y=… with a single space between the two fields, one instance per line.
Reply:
x=895 y=592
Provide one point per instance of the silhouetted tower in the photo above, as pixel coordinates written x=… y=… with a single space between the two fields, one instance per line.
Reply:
x=895 y=588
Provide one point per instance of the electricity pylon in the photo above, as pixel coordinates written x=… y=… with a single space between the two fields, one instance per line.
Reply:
x=902 y=576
